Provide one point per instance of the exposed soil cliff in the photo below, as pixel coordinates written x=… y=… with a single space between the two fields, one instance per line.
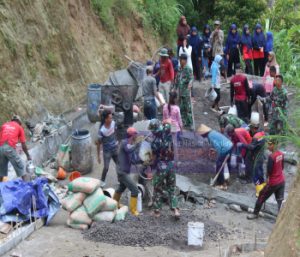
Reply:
x=51 y=50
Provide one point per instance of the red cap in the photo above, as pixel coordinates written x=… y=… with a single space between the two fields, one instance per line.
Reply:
x=131 y=131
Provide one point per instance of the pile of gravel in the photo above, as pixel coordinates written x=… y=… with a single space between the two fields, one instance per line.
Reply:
x=146 y=230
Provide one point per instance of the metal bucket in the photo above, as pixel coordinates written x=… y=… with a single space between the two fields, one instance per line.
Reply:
x=93 y=102
x=81 y=151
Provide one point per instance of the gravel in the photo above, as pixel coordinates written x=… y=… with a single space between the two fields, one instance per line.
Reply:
x=146 y=230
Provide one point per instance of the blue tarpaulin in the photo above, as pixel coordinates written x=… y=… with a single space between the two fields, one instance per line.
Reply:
x=18 y=197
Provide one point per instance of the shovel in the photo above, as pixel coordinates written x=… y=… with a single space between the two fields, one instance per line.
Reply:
x=213 y=181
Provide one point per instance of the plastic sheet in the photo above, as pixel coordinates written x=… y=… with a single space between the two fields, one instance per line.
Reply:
x=18 y=198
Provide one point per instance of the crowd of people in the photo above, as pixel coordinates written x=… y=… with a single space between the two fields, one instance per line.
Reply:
x=168 y=89
x=240 y=135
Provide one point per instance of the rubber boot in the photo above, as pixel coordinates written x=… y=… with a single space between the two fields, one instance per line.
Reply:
x=258 y=188
x=279 y=203
x=252 y=216
x=117 y=197
x=133 y=206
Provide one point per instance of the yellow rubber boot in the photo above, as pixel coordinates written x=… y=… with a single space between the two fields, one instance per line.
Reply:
x=133 y=206
x=258 y=188
x=117 y=197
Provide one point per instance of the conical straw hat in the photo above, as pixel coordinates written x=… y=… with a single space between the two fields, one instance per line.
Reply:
x=203 y=129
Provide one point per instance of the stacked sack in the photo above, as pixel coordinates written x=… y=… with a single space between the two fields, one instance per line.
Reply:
x=87 y=203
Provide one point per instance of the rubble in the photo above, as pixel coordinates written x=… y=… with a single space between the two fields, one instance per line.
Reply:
x=147 y=230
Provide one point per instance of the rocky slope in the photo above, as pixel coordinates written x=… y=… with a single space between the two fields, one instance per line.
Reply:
x=51 y=50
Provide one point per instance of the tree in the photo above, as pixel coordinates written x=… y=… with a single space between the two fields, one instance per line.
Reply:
x=284 y=14
x=240 y=12
x=200 y=12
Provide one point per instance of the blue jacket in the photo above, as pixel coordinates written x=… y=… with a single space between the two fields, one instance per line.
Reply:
x=269 y=42
x=215 y=71
x=195 y=42
x=258 y=39
x=220 y=143
x=233 y=39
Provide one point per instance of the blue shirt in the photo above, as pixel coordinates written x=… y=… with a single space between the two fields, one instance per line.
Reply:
x=220 y=143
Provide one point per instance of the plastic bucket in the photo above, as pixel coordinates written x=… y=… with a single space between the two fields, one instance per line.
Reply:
x=93 y=102
x=211 y=94
x=242 y=169
x=81 y=151
x=109 y=192
x=254 y=118
x=195 y=233
x=74 y=175
x=233 y=161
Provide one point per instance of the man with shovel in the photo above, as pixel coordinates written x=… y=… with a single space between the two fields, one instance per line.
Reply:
x=222 y=145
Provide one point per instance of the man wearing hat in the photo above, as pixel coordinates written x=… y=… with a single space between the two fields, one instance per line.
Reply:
x=11 y=133
x=127 y=148
x=222 y=145
x=275 y=179
x=166 y=74
x=183 y=84
x=217 y=40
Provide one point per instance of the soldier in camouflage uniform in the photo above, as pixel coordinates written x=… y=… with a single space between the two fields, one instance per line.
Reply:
x=183 y=85
x=279 y=99
x=165 y=177
x=230 y=119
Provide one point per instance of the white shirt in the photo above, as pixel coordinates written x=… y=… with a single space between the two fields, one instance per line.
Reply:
x=188 y=52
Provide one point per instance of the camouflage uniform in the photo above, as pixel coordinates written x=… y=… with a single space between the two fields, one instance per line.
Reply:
x=165 y=178
x=231 y=119
x=182 y=81
x=278 y=123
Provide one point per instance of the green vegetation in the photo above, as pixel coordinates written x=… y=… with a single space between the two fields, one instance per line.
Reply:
x=10 y=44
x=158 y=15
x=29 y=50
x=200 y=12
x=51 y=60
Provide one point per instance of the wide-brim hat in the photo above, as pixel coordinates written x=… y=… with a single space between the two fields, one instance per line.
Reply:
x=164 y=52
x=217 y=23
x=203 y=129
x=254 y=125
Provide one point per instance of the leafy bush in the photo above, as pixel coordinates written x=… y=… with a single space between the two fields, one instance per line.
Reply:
x=159 y=15
x=103 y=10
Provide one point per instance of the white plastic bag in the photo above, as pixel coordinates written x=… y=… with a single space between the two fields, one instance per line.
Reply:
x=226 y=172
x=145 y=151
x=233 y=110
